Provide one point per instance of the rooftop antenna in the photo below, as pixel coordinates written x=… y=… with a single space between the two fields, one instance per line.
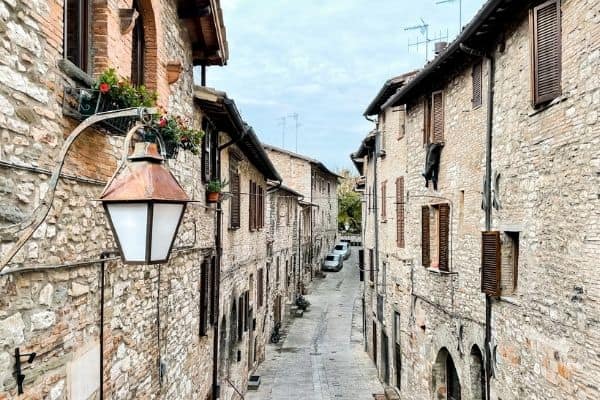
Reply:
x=282 y=123
x=459 y=11
x=424 y=28
x=297 y=124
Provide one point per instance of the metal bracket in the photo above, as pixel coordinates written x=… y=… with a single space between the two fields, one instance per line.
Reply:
x=18 y=372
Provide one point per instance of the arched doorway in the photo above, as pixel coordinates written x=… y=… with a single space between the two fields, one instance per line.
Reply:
x=477 y=374
x=445 y=381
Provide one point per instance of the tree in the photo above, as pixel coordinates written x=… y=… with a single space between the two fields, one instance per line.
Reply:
x=349 y=203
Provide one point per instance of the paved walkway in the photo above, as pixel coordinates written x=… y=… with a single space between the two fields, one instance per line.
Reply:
x=322 y=357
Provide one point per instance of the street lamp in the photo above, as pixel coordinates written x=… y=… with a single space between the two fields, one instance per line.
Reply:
x=144 y=205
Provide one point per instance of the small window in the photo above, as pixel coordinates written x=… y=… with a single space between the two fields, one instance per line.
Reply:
x=437 y=117
x=477 y=80
x=204 y=297
x=509 y=262
x=77 y=36
x=499 y=262
x=546 y=52
x=400 y=212
x=435 y=221
x=234 y=185
x=427 y=120
x=138 y=46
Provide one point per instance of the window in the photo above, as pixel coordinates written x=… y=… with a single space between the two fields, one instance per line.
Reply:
x=437 y=117
x=210 y=153
x=401 y=121
x=383 y=200
x=77 y=36
x=397 y=350
x=371 y=266
x=400 y=211
x=204 y=296
x=434 y=242
x=240 y=315
x=213 y=290
x=256 y=206
x=138 y=46
x=382 y=131
x=499 y=262
x=259 y=288
x=234 y=182
x=426 y=120
x=252 y=206
x=476 y=76
x=546 y=51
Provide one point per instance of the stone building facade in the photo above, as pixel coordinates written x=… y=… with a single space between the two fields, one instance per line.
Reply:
x=482 y=286
x=318 y=187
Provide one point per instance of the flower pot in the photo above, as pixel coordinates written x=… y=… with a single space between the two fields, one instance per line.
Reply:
x=213 y=197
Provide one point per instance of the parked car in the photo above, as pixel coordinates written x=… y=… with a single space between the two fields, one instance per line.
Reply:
x=342 y=249
x=332 y=262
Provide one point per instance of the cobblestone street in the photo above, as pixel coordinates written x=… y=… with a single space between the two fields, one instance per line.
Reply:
x=322 y=356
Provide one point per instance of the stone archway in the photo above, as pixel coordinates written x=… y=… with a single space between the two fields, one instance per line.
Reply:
x=477 y=374
x=445 y=381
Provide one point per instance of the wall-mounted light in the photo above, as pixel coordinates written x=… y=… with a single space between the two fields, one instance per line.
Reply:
x=144 y=204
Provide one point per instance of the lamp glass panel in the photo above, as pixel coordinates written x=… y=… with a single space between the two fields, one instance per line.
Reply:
x=129 y=221
x=165 y=218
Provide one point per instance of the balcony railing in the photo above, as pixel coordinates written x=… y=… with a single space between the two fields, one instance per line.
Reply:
x=80 y=103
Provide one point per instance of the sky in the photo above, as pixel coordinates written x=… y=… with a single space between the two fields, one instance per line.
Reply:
x=324 y=60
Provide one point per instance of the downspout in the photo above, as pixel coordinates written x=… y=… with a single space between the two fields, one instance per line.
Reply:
x=299 y=228
x=103 y=257
x=375 y=208
x=488 y=202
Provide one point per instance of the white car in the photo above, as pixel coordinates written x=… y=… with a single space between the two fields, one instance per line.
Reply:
x=332 y=262
x=343 y=249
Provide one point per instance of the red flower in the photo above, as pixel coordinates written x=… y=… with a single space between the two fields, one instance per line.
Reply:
x=104 y=87
x=162 y=122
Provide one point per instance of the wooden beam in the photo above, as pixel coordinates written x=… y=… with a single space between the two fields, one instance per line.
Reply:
x=188 y=12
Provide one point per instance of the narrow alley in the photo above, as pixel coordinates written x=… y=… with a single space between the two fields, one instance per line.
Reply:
x=322 y=355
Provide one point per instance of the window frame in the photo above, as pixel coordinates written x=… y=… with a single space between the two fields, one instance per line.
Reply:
x=138 y=46
x=83 y=35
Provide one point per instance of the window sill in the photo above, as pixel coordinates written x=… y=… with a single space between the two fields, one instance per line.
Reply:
x=75 y=73
x=234 y=228
x=546 y=106
x=438 y=271
x=510 y=300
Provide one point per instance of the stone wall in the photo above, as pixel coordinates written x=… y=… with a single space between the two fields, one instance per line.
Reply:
x=547 y=163
x=53 y=306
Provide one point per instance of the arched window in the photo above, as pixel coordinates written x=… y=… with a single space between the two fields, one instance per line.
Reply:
x=477 y=374
x=137 y=48
x=76 y=35
x=445 y=381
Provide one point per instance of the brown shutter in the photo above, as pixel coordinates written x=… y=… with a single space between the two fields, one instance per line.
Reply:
x=426 y=120
x=383 y=197
x=204 y=298
x=213 y=290
x=206 y=157
x=240 y=323
x=490 y=263
x=437 y=116
x=443 y=236
x=234 y=181
x=477 y=78
x=425 y=256
x=400 y=211
x=251 y=207
x=546 y=52
x=261 y=207
x=259 y=288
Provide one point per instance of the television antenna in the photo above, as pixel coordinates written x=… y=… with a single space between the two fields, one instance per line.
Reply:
x=459 y=11
x=297 y=124
x=282 y=124
x=424 y=29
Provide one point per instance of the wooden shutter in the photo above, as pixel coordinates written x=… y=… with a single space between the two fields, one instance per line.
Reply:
x=213 y=290
x=383 y=197
x=251 y=207
x=477 y=81
x=400 y=211
x=234 y=182
x=259 y=288
x=261 y=207
x=437 y=116
x=246 y=310
x=241 y=313
x=546 y=52
x=206 y=157
x=443 y=235
x=425 y=256
x=426 y=120
x=204 y=298
x=371 y=266
x=490 y=263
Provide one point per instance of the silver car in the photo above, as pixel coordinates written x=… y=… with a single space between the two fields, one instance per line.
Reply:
x=332 y=262
x=343 y=249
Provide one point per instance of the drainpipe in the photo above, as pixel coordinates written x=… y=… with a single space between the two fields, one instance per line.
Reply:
x=488 y=202
x=103 y=257
x=203 y=75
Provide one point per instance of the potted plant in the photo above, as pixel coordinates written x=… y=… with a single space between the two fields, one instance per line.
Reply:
x=213 y=190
